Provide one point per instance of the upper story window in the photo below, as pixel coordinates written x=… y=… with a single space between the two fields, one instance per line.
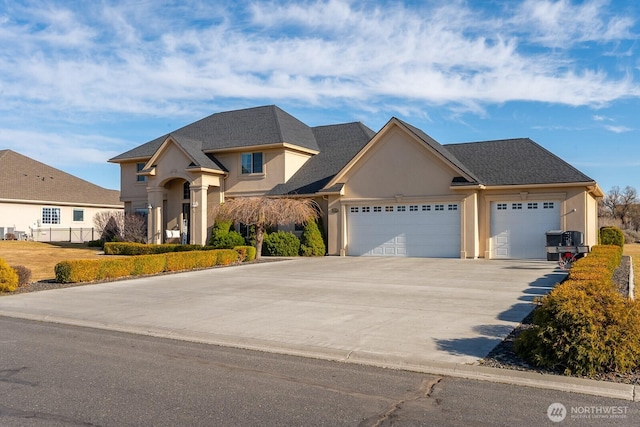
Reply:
x=51 y=215
x=139 y=167
x=251 y=163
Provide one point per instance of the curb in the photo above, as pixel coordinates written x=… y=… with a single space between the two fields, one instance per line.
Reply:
x=627 y=392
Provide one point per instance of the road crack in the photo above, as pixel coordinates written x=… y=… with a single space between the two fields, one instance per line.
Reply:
x=424 y=391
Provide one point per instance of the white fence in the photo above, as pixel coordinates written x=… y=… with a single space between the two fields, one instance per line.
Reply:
x=73 y=235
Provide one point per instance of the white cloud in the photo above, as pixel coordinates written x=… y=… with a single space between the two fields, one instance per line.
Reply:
x=133 y=58
x=618 y=129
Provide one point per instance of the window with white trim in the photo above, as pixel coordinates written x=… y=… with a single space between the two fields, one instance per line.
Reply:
x=502 y=206
x=532 y=205
x=377 y=208
x=426 y=208
x=78 y=215
x=366 y=209
x=251 y=163
x=516 y=206
x=547 y=205
x=388 y=208
x=51 y=215
x=401 y=208
x=452 y=207
x=353 y=209
x=413 y=208
x=439 y=207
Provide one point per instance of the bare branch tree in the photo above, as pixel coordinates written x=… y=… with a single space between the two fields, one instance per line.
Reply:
x=263 y=212
x=129 y=227
x=619 y=202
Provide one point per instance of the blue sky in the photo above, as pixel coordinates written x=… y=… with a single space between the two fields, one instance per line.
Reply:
x=83 y=81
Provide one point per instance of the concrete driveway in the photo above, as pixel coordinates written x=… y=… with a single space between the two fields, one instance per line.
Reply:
x=382 y=311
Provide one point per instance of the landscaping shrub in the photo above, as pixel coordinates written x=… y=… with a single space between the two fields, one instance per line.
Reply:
x=222 y=237
x=584 y=326
x=24 y=274
x=99 y=269
x=311 y=241
x=246 y=253
x=128 y=248
x=281 y=243
x=95 y=243
x=10 y=236
x=611 y=236
x=8 y=277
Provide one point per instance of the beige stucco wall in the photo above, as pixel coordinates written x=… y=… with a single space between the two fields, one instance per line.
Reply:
x=401 y=169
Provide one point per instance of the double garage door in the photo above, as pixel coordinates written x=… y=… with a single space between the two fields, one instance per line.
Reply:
x=415 y=230
x=518 y=228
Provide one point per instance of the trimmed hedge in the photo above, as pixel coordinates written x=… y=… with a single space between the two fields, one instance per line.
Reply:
x=8 y=277
x=584 y=326
x=129 y=248
x=100 y=269
x=246 y=253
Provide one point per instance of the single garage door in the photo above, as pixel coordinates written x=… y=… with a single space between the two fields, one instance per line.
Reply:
x=518 y=228
x=415 y=230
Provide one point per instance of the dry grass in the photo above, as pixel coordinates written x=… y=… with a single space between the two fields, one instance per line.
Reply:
x=41 y=258
x=633 y=250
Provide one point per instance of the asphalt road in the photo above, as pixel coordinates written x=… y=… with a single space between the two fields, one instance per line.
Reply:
x=60 y=375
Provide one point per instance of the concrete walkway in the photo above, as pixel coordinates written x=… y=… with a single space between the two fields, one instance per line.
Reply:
x=413 y=313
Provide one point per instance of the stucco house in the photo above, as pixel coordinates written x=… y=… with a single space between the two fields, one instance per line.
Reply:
x=395 y=192
x=43 y=203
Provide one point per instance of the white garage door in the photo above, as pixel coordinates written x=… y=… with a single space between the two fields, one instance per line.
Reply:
x=415 y=230
x=518 y=228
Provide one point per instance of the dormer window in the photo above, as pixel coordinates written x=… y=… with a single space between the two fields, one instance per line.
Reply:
x=251 y=163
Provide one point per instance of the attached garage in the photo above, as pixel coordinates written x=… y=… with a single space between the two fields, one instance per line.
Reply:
x=518 y=228
x=414 y=230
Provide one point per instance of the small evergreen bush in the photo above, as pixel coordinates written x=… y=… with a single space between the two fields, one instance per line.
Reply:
x=222 y=237
x=611 y=236
x=281 y=243
x=8 y=277
x=24 y=274
x=311 y=241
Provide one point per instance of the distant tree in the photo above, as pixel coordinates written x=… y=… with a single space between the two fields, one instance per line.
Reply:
x=265 y=212
x=619 y=203
x=116 y=225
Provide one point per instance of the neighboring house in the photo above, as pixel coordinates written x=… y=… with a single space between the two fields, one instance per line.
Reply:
x=45 y=204
x=396 y=192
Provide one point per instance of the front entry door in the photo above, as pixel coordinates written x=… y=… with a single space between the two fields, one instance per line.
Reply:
x=184 y=232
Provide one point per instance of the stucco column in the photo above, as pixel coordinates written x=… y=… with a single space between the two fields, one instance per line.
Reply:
x=198 y=214
x=154 y=227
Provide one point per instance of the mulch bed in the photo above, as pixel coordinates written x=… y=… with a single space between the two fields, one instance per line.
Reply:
x=503 y=356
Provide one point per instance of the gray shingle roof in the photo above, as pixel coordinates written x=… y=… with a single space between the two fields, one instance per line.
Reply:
x=338 y=145
x=239 y=128
x=194 y=149
x=515 y=162
x=23 y=178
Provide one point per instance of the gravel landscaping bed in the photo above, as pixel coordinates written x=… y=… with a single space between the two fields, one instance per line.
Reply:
x=503 y=356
